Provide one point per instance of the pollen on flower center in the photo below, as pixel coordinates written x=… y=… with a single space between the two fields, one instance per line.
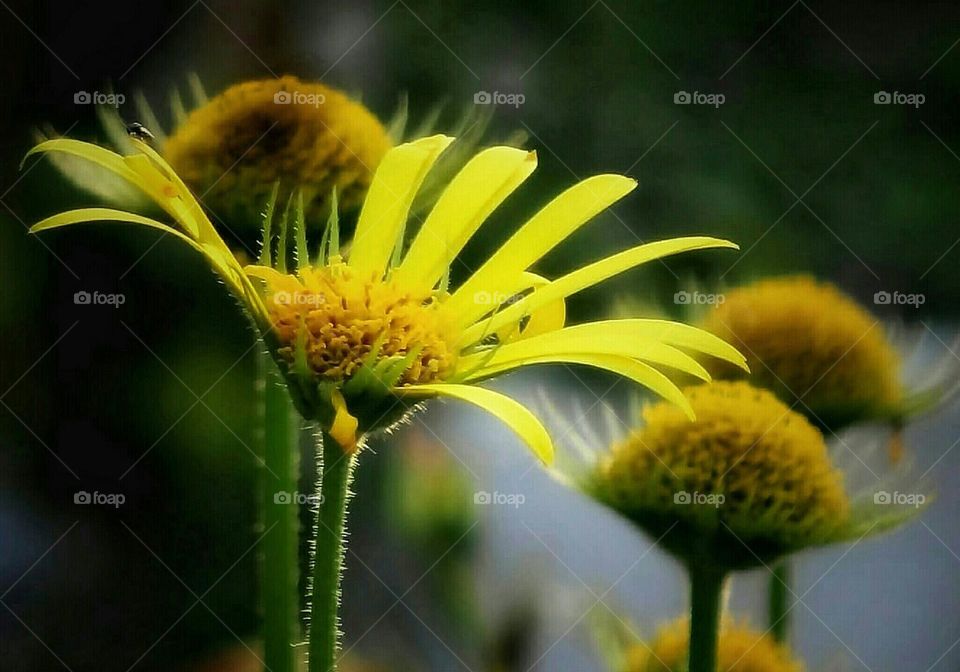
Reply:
x=806 y=339
x=747 y=464
x=342 y=317
x=306 y=135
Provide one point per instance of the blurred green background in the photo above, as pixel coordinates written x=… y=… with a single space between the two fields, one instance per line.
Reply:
x=153 y=399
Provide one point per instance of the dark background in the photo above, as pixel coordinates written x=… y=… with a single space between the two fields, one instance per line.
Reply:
x=105 y=399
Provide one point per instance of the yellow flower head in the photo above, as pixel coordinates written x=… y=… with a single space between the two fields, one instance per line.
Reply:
x=740 y=649
x=308 y=136
x=344 y=317
x=748 y=479
x=362 y=333
x=807 y=340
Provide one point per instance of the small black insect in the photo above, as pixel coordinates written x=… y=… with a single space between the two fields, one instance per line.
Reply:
x=139 y=131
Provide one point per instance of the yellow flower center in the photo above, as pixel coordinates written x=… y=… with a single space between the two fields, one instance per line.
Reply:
x=306 y=135
x=740 y=649
x=747 y=465
x=807 y=339
x=341 y=317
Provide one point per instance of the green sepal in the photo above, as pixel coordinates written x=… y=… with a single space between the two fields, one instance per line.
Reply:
x=300 y=234
x=177 y=110
x=398 y=121
x=266 y=255
x=282 y=246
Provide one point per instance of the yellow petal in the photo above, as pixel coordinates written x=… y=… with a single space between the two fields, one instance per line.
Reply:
x=588 y=276
x=266 y=273
x=387 y=205
x=344 y=426
x=545 y=319
x=90 y=152
x=573 y=341
x=475 y=192
x=139 y=171
x=641 y=373
x=511 y=413
x=224 y=263
x=549 y=318
x=108 y=215
x=164 y=192
x=676 y=334
x=549 y=227
x=207 y=232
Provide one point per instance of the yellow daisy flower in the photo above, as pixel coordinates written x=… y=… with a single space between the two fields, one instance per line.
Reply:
x=807 y=340
x=313 y=136
x=746 y=482
x=363 y=332
x=232 y=148
x=755 y=473
x=740 y=649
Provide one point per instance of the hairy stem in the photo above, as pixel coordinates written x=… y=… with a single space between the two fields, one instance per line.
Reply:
x=706 y=590
x=778 y=612
x=337 y=470
x=279 y=571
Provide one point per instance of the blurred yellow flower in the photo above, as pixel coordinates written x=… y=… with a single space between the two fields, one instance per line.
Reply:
x=807 y=340
x=740 y=649
x=748 y=479
x=361 y=335
x=308 y=136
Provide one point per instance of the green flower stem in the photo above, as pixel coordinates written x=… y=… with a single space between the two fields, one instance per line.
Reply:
x=706 y=594
x=778 y=612
x=279 y=571
x=337 y=470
